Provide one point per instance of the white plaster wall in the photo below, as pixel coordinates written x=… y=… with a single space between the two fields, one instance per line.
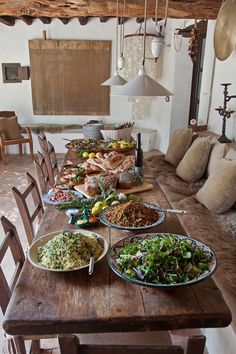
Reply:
x=17 y=96
x=224 y=72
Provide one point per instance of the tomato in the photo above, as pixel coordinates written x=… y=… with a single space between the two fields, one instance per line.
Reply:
x=93 y=219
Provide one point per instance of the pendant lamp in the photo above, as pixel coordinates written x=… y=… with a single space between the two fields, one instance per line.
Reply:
x=115 y=79
x=158 y=43
x=143 y=84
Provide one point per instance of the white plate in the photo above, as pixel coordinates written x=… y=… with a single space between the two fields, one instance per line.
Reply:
x=46 y=197
x=33 y=249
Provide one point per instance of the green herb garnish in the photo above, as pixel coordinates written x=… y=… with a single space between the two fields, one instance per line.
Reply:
x=164 y=259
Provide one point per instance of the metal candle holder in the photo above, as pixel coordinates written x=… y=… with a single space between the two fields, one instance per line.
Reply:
x=225 y=113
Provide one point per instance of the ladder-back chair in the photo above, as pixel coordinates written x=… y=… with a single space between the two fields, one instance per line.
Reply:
x=11 y=134
x=42 y=139
x=51 y=162
x=12 y=243
x=28 y=217
x=70 y=344
x=189 y=341
x=42 y=172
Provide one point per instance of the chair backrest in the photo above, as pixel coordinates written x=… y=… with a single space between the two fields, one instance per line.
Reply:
x=24 y=207
x=10 y=242
x=70 y=344
x=42 y=172
x=42 y=139
x=51 y=162
x=7 y=114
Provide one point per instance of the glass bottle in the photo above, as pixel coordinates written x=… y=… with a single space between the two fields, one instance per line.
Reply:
x=139 y=156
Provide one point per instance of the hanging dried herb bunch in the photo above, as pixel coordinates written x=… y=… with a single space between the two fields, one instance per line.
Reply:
x=194 y=43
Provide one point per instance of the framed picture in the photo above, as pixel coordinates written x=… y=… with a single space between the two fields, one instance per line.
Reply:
x=10 y=72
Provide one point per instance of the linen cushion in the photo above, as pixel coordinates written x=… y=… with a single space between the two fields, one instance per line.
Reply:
x=179 y=144
x=231 y=154
x=3 y=127
x=219 y=192
x=217 y=153
x=193 y=165
x=10 y=128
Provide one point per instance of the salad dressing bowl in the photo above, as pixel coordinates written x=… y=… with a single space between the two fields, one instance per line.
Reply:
x=33 y=250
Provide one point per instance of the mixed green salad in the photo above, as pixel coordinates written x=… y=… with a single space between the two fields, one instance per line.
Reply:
x=69 y=250
x=164 y=259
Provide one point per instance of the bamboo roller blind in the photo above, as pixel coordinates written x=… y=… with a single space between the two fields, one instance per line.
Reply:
x=66 y=77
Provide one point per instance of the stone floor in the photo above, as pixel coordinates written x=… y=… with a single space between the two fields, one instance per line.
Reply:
x=13 y=174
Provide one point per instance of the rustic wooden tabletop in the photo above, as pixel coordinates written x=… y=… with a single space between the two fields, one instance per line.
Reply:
x=44 y=302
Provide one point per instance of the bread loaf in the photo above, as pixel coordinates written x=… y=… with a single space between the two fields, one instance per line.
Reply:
x=91 y=186
x=114 y=159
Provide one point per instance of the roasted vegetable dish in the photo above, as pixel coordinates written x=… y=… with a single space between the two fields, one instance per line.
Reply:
x=164 y=259
x=69 y=250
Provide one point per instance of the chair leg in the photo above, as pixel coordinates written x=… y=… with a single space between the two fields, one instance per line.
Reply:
x=192 y=341
x=68 y=341
x=31 y=149
x=20 y=345
x=35 y=347
x=3 y=154
x=20 y=149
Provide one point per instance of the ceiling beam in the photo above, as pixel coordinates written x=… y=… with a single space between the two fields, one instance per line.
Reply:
x=64 y=20
x=27 y=19
x=83 y=20
x=45 y=20
x=7 y=20
x=198 y=9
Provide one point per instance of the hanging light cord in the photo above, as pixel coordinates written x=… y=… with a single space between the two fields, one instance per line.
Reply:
x=144 y=35
x=166 y=13
x=122 y=31
x=117 y=23
x=156 y=6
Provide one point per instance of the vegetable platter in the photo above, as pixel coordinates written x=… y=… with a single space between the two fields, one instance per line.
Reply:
x=162 y=260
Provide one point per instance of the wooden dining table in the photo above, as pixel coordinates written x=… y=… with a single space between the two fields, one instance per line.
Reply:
x=45 y=302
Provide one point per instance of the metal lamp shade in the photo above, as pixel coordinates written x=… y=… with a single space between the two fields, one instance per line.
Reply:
x=114 y=80
x=142 y=85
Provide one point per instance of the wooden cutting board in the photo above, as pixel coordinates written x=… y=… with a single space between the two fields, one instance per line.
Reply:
x=136 y=189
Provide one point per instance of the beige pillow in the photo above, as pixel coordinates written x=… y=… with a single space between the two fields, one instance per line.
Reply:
x=193 y=165
x=179 y=144
x=219 y=192
x=231 y=154
x=217 y=153
x=12 y=128
x=3 y=126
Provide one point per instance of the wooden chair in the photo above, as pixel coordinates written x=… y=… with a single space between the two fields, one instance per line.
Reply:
x=12 y=243
x=70 y=344
x=42 y=172
x=189 y=341
x=51 y=162
x=25 y=209
x=42 y=139
x=19 y=141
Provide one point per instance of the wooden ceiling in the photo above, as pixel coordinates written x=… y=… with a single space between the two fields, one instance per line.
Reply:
x=26 y=10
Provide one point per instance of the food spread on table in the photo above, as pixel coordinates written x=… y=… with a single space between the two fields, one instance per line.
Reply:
x=133 y=214
x=69 y=250
x=164 y=259
x=59 y=196
x=86 y=146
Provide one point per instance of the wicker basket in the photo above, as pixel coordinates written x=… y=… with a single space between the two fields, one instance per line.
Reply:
x=116 y=134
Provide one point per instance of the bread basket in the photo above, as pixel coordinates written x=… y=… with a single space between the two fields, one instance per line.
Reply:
x=116 y=134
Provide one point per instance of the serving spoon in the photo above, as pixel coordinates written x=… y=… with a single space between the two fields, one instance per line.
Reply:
x=174 y=211
x=91 y=265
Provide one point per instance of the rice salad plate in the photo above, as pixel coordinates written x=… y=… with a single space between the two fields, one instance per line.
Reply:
x=162 y=260
x=65 y=251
